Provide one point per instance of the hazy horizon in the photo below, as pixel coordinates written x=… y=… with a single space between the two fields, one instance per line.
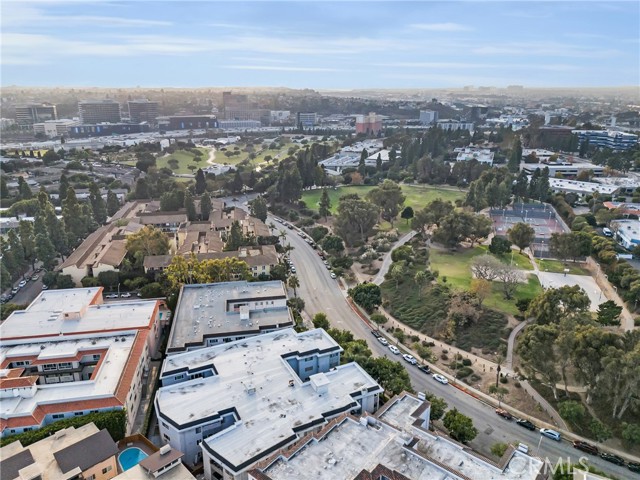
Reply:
x=321 y=45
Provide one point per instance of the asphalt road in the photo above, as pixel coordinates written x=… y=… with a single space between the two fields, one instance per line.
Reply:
x=29 y=292
x=321 y=293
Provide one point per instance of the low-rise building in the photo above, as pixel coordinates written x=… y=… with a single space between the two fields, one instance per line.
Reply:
x=107 y=129
x=482 y=155
x=394 y=443
x=54 y=128
x=165 y=464
x=625 y=208
x=627 y=232
x=70 y=453
x=561 y=185
x=187 y=122
x=238 y=124
x=214 y=313
x=611 y=139
x=69 y=354
x=564 y=169
x=454 y=125
x=233 y=405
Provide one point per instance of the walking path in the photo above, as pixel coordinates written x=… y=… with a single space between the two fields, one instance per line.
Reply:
x=508 y=363
x=212 y=156
x=386 y=262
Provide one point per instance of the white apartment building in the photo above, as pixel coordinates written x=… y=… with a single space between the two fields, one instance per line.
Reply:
x=454 y=125
x=54 y=128
x=561 y=185
x=627 y=232
x=482 y=155
x=233 y=405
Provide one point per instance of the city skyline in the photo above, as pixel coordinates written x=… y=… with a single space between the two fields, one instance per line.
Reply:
x=322 y=45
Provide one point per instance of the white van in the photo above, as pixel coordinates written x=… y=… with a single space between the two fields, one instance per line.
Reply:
x=607 y=232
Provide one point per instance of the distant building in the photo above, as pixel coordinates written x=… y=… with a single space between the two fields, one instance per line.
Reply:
x=564 y=169
x=238 y=124
x=482 y=155
x=107 y=129
x=370 y=124
x=217 y=313
x=237 y=107
x=561 y=185
x=143 y=111
x=99 y=111
x=232 y=406
x=70 y=453
x=30 y=114
x=428 y=117
x=611 y=139
x=187 y=122
x=54 y=128
x=279 y=116
x=624 y=207
x=627 y=232
x=307 y=119
x=454 y=125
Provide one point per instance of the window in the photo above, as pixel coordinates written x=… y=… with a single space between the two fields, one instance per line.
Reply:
x=64 y=365
x=96 y=358
x=164 y=425
x=47 y=367
x=91 y=477
x=308 y=369
x=78 y=414
x=27 y=429
x=107 y=469
x=57 y=416
x=198 y=429
x=166 y=437
x=179 y=377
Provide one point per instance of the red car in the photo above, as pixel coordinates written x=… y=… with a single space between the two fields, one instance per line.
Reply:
x=504 y=414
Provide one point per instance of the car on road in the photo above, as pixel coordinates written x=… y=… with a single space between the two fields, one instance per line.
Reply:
x=35 y=277
x=15 y=290
x=586 y=447
x=383 y=341
x=44 y=287
x=376 y=333
x=289 y=226
x=440 y=378
x=293 y=269
x=504 y=414
x=394 y=349
x=409 y=358
x=125 y=295
x=333 y=275
x=610 y=457
x=634 y=467
x=552 y=434
x=522 y=448
x=111 y=295
x=22 y=283
x=424 y=368
x=607 y=232
x=526 y=424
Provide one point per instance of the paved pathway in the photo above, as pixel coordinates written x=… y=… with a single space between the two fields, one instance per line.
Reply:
x=508 y=363
x=386 y=262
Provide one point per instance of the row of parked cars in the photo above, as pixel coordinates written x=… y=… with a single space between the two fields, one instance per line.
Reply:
x=20 y=286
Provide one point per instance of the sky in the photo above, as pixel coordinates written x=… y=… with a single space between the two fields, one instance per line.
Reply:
x=319 y=44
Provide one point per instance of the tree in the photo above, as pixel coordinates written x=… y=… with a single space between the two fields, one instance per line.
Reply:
x=63 y=188
x=631 y=433
x=27 y=240
x=201 y=183
x=367 y=295
x=454 y=228
x=75 y=221
x=50 y=157
x=205 y=206
x=355 y=220
x=572 y=411
x=432 y=214
x=486 y=267
x=609 y=313
x=481 y=288
x=4 y=190
x=109 y=279
x=556 y=303
x=258 y=208
x=235 y=238
x=481 y=228
x=510 y=277
x=599 y=431
x=97 y=204
x=294 y=283
x=56 y=231
x=190 y=206
x=333 y=245
x=237 y=183
x=460 y=426
x=538 y=356
x=389 y=198
x=499 y=393
x=45 y=251
x=113 y=204
x=407 y=213
x=438 y=406
x=24 y=190
x=146 y=242
x=361 y=164
x=379 y=319
x=320 y=320
x=522 y=235
x=325 y=204
x=189 y=270
x=516 y=156
x=499 y=448
x=396 y=273
x=141 y=191
x=500 y=246
x=152 y=290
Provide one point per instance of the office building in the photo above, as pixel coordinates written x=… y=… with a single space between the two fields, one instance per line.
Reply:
x=428 y=117
x=454 y=125
x=187 y=122
x=233 y=405
x=610 y=139
x=143 y=111
x=482 y=155
x=627 y=233
x=239 y=108
x=69 y=354
x=54 y=128
x=238 y=124
x=30 y=114
x=564 y=169
x=395 y=443
x=107 y=129
x=70 y=453
x=370 y=124
x=582 y=189
x=280 y=116
x=99 y=111
x=307 y=119
x=216 y=313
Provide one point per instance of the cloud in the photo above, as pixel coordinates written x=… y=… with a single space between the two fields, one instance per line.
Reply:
x=550 y=49
x=441 y=27
x=276 y=68
x=481 y=66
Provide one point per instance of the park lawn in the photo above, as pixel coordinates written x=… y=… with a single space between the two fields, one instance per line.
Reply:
x=556 y=266
x=280 y=154
x=184 y=159
x=519 y=260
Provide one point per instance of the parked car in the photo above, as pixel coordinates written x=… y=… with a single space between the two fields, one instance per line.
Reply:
x=552 y=434
x=607 y=232
x=376 y=333
x=111 y=295
x=15 y=290
x=35 y=277
x=522 y=448
x=409 y=359
x=333 y=275
x=610 y=457
x=44 y=287
x=22 y=283
x=504 y=414
x=383 y=341
x=586 y=447
x=440 y=378
x=394 y=349
x=125 y=295
x=293 y=269
x=634 y=467
x=526 y=424
x=424 y=368
x=328 y=266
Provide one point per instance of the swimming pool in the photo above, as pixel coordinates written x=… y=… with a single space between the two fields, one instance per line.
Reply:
x=130 y=457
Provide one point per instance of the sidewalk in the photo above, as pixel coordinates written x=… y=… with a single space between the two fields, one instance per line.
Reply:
x=386 y=262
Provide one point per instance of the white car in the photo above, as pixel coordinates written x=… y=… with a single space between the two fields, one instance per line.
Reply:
x=440 y=378
x=409 y=358
x=383 y=341
x=394 y=349
x=333 y=275
x=522 y=448
x=125 y=295
x=547 y=432
x=22 y=283
x=111 y=295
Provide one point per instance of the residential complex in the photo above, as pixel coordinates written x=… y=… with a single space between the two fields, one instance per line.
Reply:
x=482 y=155
x=428 y=117
x=99 y=111
x=611 y=139
x=30 y=114
x=370 y=124
x=210 y=314
x=231 y=406
x=69 y=354
x=395 y=443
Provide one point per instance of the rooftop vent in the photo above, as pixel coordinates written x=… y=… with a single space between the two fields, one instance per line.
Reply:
x=165 y=449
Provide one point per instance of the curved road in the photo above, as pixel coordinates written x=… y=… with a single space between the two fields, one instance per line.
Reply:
x=321 y=293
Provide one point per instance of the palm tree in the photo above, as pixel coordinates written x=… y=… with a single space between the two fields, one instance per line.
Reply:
x=499 y=361
x=294 y=283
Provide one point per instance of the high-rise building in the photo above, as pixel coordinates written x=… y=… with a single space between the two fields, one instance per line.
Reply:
x=30 y=114
x=427 y=117
x=370 y=124
x=307 y=119
x=143 y=111
x=238 y=107
x=99 y=111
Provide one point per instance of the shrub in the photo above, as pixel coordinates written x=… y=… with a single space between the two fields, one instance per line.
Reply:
x=444 y=356
x=498 y=449
x=475 y=378
x=504 y=380
x=466 y=362
x=464 y=372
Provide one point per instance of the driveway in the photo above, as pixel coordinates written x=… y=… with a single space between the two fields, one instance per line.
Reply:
x=586 y=282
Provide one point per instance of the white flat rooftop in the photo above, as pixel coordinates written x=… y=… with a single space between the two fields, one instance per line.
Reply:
x=206 y=310
x=350 y=447
x=269 y=415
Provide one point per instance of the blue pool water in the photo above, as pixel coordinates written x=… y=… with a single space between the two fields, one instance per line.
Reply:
x=130 y=457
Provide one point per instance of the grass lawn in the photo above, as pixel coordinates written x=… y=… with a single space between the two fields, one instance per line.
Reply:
x=280 y=154
x=456 y=267
x=184 y=159
x=556 y=266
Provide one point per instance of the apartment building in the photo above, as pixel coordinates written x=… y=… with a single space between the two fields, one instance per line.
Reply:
x=69 y=354
x=454 y=125
x=428 y=117
x=233 y=405
x=370 y=124
x=215 y=313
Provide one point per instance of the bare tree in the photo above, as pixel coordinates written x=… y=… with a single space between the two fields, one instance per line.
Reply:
x=510 y=278
x=486 y=267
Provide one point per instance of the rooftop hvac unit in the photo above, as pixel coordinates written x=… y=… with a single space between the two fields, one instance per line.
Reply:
x=165 y=449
